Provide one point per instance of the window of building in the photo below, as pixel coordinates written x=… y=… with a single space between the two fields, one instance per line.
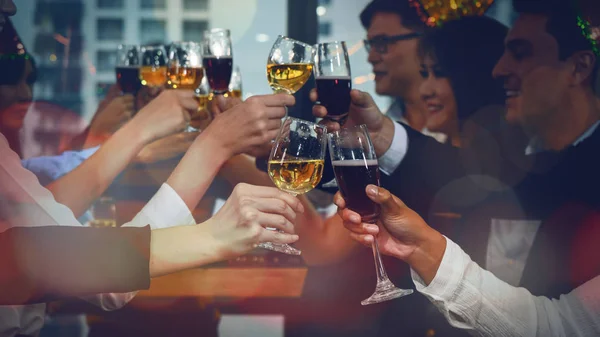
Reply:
x=195 y=4
x=192 y=30
x=152 y=31
x=324 y=2
x=105 y=60
x=110 y=4
x=109 y=29
x=324 y=28
x=153 y=4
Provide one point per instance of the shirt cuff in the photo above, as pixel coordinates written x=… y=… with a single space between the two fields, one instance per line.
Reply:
x=448 y=277
x=391 y=159
x=165 y=209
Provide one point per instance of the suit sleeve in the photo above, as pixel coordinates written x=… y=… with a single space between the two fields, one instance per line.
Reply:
x=41 y=264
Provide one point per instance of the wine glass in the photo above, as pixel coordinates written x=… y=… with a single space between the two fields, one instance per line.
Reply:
x=218 y=59
x=333 y=79
x=355 y=166
x=296 y=163
x=202 y=117
x=185 y=70
x=153 y=69
x=289 y=65
x=128 y=69
x=235 y=85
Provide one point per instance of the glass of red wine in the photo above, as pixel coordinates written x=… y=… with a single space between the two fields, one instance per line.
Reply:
x=333 y=79
x=355 y=166
x=128 y=69
x=218 y=60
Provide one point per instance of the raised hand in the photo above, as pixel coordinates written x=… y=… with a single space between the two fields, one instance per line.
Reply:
x=166 y=114
x=250 y=126
x=400 y=231
x=363 y=110
x=240 y=224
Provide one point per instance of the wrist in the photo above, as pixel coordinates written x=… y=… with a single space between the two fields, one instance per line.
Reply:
x=217 y=143
x=382 y=138
x=428 y=254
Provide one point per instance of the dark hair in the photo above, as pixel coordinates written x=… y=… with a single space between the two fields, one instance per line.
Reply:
x=467 y=50
x=13 y=57
x=409 y=14
x=562 y=25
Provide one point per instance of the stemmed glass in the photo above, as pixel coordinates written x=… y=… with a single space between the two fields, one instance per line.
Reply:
x=355 y=166
x=185 y=70
x=289 y=65
x=128 y=69
x=202 y=118
x=333 y=79
x=296 y=163
x=235 y=85
x=153 y=70
x=218 y=59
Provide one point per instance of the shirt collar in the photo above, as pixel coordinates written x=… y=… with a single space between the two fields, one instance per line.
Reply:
x=535 y=145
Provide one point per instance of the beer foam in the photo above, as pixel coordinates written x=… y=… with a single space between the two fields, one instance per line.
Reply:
x=355 y=162
x=347 y=78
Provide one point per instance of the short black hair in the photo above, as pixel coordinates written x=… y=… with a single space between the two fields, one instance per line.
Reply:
x=466 y=50
x=408 y=13
x=563 y=25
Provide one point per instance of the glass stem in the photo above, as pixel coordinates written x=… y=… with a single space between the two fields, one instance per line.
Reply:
x=379 y=268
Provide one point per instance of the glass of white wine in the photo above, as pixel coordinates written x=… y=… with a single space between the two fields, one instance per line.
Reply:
x=290 y=65
x=296 y=163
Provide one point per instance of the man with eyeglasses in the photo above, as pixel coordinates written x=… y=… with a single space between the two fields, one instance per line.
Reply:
x=393 y=31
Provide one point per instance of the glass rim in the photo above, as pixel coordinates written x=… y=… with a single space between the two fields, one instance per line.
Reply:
x=151 y=47
x=362 y=127
x=306 y=122
x=128 y=45
x=184 y=43
x=287 y=38
x=331 y=42
x=217 y=30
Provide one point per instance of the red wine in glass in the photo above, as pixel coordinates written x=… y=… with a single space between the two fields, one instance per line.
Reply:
x=218 y=72
x=334 y=95
x=128 y=79
x=353 y=176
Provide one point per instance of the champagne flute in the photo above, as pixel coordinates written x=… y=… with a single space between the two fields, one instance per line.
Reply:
x=218 y=59
x=289 y=65
x=296 y=163
x=355 y=166
x=333 y=79
x=153 y=70
x=128 y=69
x=185 y=70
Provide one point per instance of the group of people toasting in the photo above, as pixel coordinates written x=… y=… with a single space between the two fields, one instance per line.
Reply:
x=523 y=195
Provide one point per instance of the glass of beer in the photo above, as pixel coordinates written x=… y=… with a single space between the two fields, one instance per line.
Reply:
x=153 y=69
x=128 y=69
x=235 y=85
x=289 y=65
x=218 y=59
x=296 y=163
x=355 y=166
x=333 y=79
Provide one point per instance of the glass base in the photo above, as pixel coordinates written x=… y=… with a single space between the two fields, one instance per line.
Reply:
x=281 y=248
x=386 y=291
x=190 y=128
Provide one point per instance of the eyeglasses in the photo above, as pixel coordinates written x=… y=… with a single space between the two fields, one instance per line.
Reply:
x=380 y=43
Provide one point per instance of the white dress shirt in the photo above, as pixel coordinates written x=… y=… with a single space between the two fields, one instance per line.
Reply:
x=24 y=202
x=510 y=241
x=473 y=299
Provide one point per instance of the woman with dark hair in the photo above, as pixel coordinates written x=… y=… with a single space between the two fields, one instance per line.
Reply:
x=456 y=62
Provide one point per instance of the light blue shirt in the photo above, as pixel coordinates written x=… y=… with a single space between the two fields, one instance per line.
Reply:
x=50 y=168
